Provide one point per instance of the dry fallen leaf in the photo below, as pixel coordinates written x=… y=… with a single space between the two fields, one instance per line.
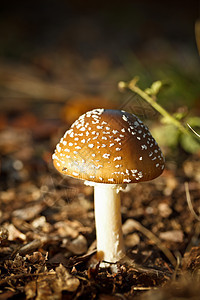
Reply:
x=3 y=234
x=36 y=258
x=66 y=281
x=48 y=288
x=191 y=259
x=30 y=289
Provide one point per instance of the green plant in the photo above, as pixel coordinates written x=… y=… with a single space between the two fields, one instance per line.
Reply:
x=174 y=128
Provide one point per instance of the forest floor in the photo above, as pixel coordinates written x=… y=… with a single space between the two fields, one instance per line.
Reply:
x=47 y=233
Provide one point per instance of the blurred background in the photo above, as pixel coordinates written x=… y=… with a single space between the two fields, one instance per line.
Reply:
x=59 y=59
x=59 y=50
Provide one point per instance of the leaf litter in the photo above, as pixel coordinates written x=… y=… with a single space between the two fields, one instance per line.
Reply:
x=47 y=230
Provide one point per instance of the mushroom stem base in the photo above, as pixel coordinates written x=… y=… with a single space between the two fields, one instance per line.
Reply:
x=110 y=246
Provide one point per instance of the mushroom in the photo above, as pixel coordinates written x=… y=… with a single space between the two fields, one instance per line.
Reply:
x=108 y=149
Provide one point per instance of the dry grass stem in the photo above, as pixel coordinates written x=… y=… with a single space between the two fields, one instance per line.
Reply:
x=189 y=202
x=156 y=241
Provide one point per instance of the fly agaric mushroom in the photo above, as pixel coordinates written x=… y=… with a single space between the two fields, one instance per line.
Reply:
x=109 y=149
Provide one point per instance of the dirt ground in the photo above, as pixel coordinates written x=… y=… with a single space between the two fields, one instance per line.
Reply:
x=48 y=233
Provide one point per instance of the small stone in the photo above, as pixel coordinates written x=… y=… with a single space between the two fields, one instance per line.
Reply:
x=78 y=246
x=39 y=222
x=164 y=210
x=172 y=236
x=14 y=233
x=132 y=240
x=128 y=226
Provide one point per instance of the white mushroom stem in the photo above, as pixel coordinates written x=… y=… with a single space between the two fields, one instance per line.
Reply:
x=110 y=246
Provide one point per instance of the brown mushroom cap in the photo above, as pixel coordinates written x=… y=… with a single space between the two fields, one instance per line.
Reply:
x=109 y=146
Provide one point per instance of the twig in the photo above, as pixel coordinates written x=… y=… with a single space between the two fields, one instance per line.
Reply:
x=144 y=288
x=156 y=241
x=151 y=271
x=195 y=238
x=134 y=88
x=197 y=226
x=32 y=246
x=189 y=202
x=127 y=261
x=178 y=259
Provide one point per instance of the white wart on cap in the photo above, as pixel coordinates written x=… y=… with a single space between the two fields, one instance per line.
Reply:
x=109 y=146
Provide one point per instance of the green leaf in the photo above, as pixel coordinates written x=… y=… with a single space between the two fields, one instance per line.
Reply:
x=166 y=135
x=189 y=143
x=156 y=87
x=179 y=115
x=194 y=121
